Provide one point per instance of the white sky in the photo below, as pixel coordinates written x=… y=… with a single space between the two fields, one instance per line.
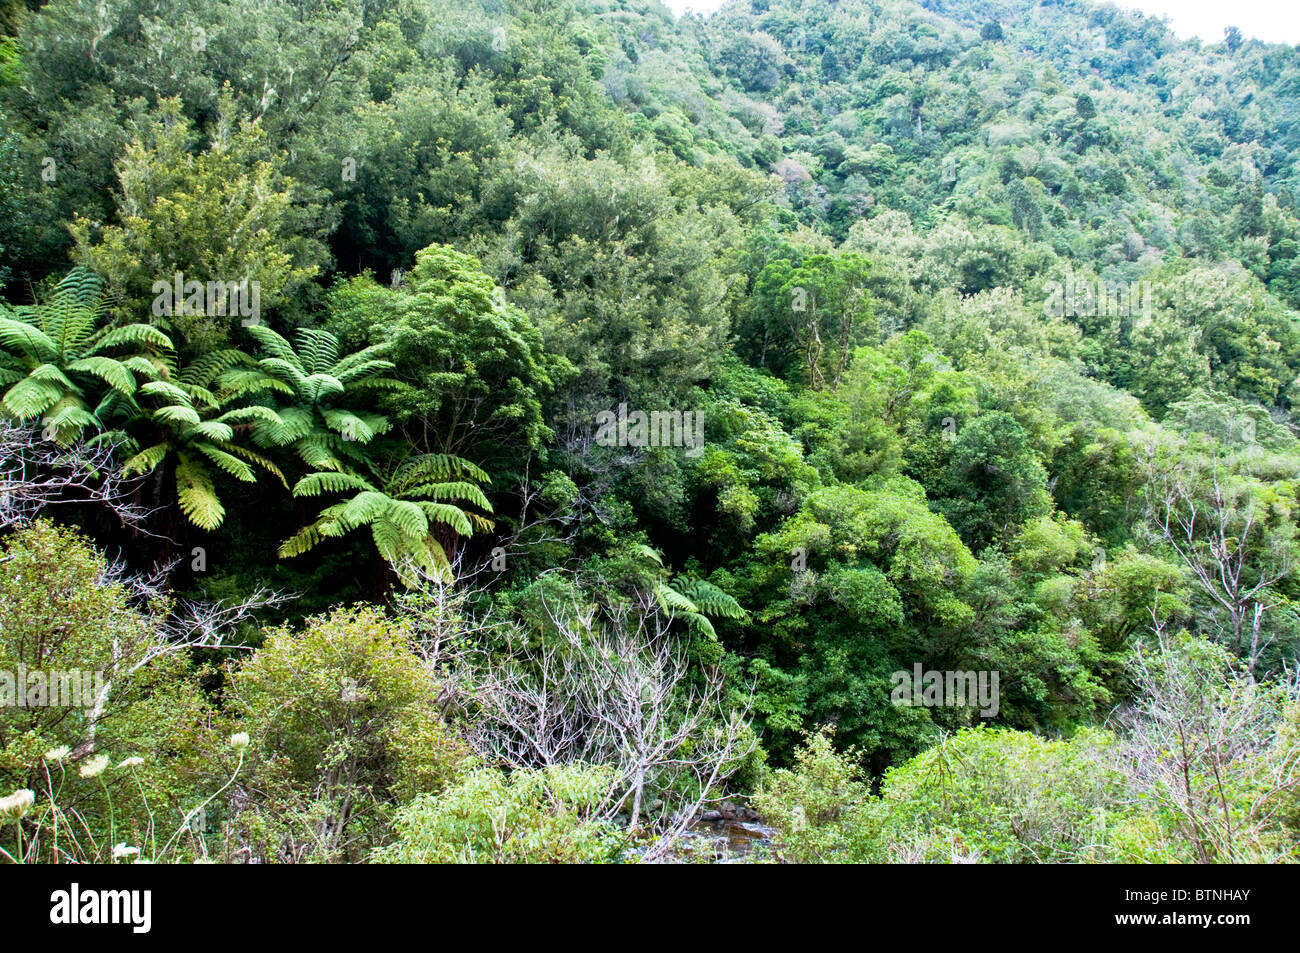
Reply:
x=1274 y=21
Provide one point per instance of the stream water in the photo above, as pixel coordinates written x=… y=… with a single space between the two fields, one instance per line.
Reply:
x=730 y=835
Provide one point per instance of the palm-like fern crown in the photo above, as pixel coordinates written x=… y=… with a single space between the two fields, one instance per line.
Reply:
x=692 y=599
x=402 y=501
x=324 y=436
x=191 y=415
x=57 y=358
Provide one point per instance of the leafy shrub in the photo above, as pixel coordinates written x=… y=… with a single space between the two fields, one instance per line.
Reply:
x=530 y=816
x=344 y=727
x=1006 y=796
x=818 y=807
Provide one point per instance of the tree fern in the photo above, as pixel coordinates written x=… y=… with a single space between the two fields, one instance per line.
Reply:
x=57 y=362
x=310 y=379
x=690 y=599
x=402 y=505
x=192 y=417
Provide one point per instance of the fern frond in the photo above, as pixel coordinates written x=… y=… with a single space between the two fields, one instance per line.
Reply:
x=649 y=553
x=314 y=484
x=275 y=344
x=317 y=387
x=198 y=497
x=366 y=507
x=167 y=390
x=460 y=492
x=176 y=414
x=672 y=601
x=228 y=462
x=146 y=460
x=300 y=542
x=22 y=338
x=111 y=372
x=446 y=513
x=709 y=599
x=135 y=335
x=30 y=398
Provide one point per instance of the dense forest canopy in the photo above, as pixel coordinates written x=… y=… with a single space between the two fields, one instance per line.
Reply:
x=568 y=410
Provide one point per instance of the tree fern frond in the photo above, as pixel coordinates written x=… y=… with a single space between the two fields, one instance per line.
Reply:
x=365 y=507
x=672 y=601
x=214 y=430
x=709 y=599
x=176 y=414
x=409 y=518
x=458 y=491
x=318 y=387
x=314 y=484
x=228 y=462
x=435 y=467
x=317 y=349
x=300 y=542
x=275 y=344
x=198 y=497
x=146 y=460
x=135 y=335
x=450 y=515
x=22 y=338
x=30 y=398
x=113 y=373
x=167 y=390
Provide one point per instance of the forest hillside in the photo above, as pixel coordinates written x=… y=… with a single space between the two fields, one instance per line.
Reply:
x=862 y=427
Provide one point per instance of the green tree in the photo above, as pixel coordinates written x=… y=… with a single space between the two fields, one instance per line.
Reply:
x=226 y=215
x=343 y=728
x=473 y=370
x=994 y=481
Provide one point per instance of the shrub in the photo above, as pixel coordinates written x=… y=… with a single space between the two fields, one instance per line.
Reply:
x=143 y=723
x=818 y=808
x=529 y=816
x=344 y=727
x=1005 y=796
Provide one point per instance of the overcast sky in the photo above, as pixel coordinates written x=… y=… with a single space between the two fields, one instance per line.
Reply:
x=1276 y=21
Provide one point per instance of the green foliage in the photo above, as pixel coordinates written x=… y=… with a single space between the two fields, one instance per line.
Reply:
x=992 y=329
x=111 y=690
x=343 y=728
x=314 y=377
x=813 y=312
x=58 y=359
x=183 y=431
x=225 y=215
x=472 y=370
x=1008 y=797
x=819 y=806
x=530 y=816
x=404 y=500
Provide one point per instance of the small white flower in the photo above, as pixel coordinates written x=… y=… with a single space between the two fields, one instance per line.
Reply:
x=17 y=804
x=58 y=755
x=239 y=740
x=95 y=766
x=131 y=763
x=121 y=850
